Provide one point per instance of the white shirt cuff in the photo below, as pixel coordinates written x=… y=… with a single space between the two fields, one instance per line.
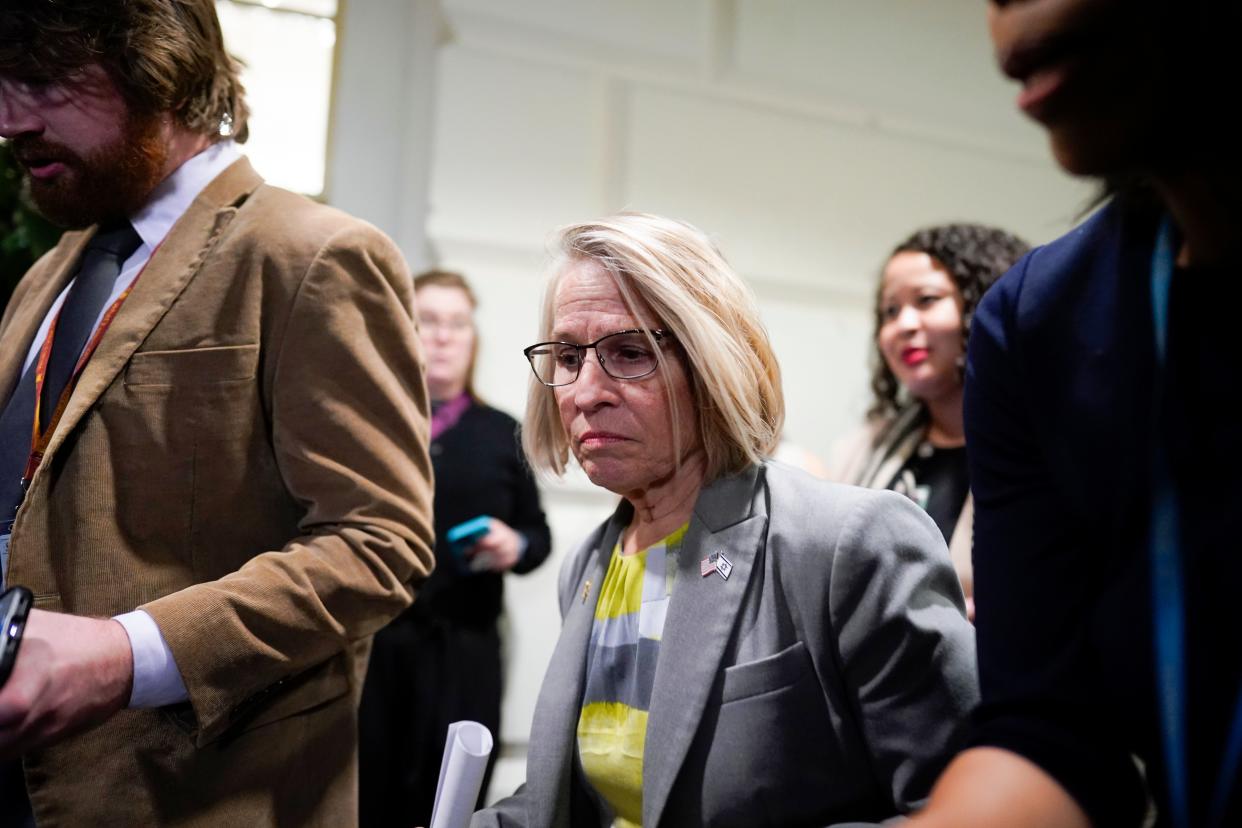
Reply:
x=157 y=681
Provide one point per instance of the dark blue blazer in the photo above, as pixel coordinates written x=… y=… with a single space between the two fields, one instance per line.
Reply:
x=1060 y=418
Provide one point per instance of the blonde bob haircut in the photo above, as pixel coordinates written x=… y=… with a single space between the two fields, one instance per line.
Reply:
x=670 y=275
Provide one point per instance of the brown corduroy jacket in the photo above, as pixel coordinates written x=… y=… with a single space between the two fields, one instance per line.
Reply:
x=245 y=458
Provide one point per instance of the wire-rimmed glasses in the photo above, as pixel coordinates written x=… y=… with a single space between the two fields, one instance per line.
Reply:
x=624 y=355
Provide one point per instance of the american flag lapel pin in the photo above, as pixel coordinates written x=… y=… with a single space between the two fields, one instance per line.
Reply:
x=708 y=565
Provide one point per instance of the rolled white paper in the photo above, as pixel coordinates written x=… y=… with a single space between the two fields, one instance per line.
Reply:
x=461 y=774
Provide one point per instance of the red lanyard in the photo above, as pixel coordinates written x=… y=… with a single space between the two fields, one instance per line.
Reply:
x=39 y=440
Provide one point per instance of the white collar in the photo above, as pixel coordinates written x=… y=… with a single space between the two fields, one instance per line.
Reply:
x=174 y=195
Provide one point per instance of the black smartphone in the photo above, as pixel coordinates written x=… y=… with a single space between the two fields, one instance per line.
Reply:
x=14 y=607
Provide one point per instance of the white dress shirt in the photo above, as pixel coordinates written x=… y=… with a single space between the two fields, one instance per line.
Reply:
x=157 y=681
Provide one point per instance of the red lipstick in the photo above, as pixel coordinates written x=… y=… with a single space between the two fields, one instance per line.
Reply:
x=913 y=356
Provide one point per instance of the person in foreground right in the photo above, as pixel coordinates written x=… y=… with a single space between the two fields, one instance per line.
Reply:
x=1102 y=426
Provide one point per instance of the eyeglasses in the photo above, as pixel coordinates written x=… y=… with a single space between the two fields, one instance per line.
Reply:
x=453 y=325
x=625 y=355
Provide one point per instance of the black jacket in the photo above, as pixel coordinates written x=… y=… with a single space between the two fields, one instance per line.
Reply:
x=480 y=470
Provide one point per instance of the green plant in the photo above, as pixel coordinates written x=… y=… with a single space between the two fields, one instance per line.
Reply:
x=24 y=234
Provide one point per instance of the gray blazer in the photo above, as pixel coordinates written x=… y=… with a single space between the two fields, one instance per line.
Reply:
x=826 y=681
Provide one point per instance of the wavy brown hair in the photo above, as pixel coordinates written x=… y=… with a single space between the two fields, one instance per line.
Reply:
x=975 y=256
x=163 y=55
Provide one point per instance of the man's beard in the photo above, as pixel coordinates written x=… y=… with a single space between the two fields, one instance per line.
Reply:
x=110 y=184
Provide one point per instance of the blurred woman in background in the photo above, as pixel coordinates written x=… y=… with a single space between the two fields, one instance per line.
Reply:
x=441 y=661
x=913 y=442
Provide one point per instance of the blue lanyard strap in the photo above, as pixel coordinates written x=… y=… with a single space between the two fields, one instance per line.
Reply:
x=1168 y=592
x=1168 y=588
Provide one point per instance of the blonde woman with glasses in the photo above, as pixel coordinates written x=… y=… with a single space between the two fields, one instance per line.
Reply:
x=743 y=644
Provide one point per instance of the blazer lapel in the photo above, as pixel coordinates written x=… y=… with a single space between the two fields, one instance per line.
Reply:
x=163 y=279
x=550 y=759
x=702 y=614
x=19 y=334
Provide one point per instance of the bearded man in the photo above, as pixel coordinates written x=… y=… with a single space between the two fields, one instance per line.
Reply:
x=213 y=443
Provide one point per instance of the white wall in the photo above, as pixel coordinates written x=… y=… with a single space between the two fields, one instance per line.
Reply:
x=807 y=136
x=379 y=153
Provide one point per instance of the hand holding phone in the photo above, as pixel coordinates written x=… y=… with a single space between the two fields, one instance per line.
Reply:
x=465 y=535
x=15 y=606
x=485 y=544
x=500 y=550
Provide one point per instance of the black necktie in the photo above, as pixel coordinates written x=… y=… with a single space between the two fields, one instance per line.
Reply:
x=96 y=276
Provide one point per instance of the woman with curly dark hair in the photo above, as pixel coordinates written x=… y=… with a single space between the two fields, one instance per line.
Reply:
x=913 y=441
